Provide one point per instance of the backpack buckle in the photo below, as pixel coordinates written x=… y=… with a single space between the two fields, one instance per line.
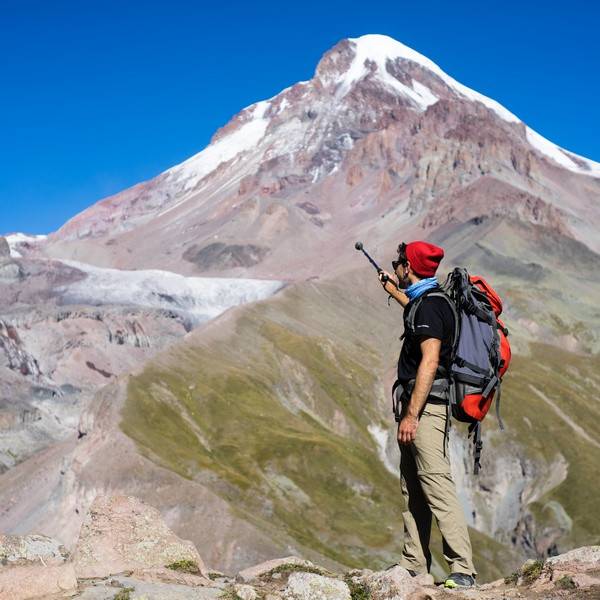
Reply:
x=491 y=385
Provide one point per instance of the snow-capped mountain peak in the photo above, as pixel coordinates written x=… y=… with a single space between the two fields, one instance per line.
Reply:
x=378 y=122
x=375 y=53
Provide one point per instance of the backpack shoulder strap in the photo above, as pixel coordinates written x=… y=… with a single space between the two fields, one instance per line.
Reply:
x=409 y=319
x=434 y=293
x=441 y=293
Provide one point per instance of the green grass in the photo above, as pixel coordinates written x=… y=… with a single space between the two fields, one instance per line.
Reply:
x=565 y=583
x=358 y=591
x=185 y=566
x=230 y=594
x=528 y=573
x=124 y=594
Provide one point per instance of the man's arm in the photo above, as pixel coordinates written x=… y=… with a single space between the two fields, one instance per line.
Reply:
x=392 y=289
x=430 y=349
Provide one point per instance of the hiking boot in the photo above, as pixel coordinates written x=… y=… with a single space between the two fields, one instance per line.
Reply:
x=455 y=580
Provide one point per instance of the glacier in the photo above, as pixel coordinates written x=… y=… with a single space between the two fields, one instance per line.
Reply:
x=196 y=299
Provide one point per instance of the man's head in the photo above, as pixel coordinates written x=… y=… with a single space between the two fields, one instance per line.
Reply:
x=421 y=258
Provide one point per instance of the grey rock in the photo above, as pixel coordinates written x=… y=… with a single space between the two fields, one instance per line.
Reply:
x=9 y=268
x=107 y=590
x=34 y=566
x=245 y=592
x=395 y=583
x=10 y=271
x=32 y=548
x=4 y=250
x=309 y=586
x=42 y=392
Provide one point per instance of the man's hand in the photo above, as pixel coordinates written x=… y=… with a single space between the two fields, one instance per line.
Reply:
x=407 y=429
x=388 y=280
x=390 y=285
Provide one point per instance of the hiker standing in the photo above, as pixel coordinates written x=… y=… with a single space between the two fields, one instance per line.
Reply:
x=424 y=362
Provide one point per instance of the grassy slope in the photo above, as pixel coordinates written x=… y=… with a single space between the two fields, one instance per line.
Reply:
x=571 y=382
x=258 y=411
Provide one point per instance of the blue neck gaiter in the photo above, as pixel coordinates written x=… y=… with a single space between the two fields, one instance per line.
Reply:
x=420 y=287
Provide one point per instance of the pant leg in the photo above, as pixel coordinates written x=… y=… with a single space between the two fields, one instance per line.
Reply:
x=416 y=516
x=430 y=452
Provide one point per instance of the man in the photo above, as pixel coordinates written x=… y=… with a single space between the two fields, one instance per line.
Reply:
x=425 y=357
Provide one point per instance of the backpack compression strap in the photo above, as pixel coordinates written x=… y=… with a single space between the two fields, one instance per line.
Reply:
x=477 y=445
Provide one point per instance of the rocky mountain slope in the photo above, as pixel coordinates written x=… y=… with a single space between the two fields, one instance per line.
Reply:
x=273 y=417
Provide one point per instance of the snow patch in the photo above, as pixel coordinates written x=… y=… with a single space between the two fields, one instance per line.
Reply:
x=283 y=105
x=424 y=93
x=260 y=109
x=558 y=155
x=197 y=299
x=380 y=436
x=377 y=50
x=14 y=239
x=243 y=139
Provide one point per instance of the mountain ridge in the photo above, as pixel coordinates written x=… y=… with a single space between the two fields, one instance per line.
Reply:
x=286 y=165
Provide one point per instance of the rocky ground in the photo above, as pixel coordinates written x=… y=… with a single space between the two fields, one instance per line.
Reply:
x=126 y=552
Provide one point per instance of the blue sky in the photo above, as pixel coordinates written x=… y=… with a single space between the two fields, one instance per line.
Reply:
x=98 y=95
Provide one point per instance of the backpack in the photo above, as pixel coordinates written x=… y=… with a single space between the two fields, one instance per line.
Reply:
x=480 y=353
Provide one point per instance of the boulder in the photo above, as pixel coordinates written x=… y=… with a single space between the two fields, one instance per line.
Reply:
x=578 y=568
x=122 y=533
x=397 y=582
x=35 y=581
x=33 y=548
x=580 y=560
x=245 y=592
x=309 y=586
x=34 y=566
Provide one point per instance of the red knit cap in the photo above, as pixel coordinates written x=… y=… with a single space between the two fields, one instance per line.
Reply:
x=424 y=258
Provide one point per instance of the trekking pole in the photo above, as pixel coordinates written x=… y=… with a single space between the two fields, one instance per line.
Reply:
x=384 y=276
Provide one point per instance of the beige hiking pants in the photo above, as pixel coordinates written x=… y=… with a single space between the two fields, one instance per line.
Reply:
x=428 y=489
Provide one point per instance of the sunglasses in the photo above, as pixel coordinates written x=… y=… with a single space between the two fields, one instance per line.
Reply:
x=396 y=264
